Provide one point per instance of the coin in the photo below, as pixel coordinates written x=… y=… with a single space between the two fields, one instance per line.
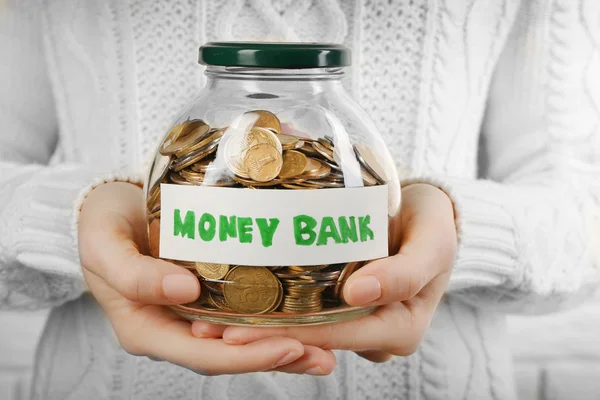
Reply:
x=296 y=187
x=266 y=119
x=257 y=157
x=219 y=301
x=368 y=179
x=251 y=183
x=195 y=156
x=294 y=164
x=178 y=131
x=326 y=142
x=369 y=161
x=154 y=238
x=345 y=274
x=200 y=128
x=323 y=151
x=185 y=264
x=212 y=271
x=177 y=179
x=237 y=146
x=252 y=290
x=320 y=172
x=288 y=142
x=263 y=162
x=202 y=165
x=192 y=176
x=201 y=141
x=215 y=287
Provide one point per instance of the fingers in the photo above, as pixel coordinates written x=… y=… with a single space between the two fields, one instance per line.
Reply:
x=314 y=361
x=155 y=332
x=109 y=250
x=428 y=250
x=374 y=356
x=144 y=279
x=391 y=328
x=203 y=329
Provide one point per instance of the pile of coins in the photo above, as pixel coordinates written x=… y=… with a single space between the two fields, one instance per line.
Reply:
x=257 y=156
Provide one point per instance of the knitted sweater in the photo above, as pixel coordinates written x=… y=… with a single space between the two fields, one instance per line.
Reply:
x=504 y=89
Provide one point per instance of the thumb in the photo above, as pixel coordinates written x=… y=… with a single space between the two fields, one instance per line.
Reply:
x=111 y=230
x=428 y=250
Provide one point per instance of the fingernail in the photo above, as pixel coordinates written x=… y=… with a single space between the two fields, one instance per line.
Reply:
x=199 y=328
x=314 y=371
x=364 y=290
x=288 y=358
x=178 y=287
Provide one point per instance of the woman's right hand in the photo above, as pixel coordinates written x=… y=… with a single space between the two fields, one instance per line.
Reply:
x=132 y=288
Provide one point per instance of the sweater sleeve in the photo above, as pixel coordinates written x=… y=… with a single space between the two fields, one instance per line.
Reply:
x=39 y=264
x=526 y=235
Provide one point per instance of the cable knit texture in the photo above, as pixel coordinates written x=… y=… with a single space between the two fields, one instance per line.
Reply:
x=94 y=84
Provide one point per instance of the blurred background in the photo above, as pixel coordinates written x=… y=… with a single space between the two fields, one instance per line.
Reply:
x=557 y=357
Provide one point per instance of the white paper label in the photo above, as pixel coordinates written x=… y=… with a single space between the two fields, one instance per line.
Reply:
x=273 y=227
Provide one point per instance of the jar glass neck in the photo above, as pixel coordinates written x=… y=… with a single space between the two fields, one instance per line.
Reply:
x=274 y=74
x=296 y=80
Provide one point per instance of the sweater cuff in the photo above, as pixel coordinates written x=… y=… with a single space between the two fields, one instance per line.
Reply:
x=134 y=178
x=42 y=218
x=487 y=250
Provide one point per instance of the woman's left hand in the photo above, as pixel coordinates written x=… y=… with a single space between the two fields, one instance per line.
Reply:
x=408 y=286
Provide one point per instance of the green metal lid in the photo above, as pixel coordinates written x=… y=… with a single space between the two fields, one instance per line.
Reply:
x=275 y=55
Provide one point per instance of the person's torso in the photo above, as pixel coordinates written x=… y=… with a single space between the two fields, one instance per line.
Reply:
x=121 y=70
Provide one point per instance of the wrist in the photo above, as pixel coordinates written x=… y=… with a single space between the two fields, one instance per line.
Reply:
x=417 y=196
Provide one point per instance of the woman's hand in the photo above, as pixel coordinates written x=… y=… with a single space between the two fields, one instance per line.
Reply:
x=408 y=286
x=132 y=287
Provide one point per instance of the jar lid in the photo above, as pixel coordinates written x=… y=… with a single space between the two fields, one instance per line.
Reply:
x=275 y=55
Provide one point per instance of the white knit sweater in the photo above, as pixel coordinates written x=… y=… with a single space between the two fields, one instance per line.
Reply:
x=87 y=87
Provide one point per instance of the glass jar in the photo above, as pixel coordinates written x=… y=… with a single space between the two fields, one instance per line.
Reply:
x=273 y=186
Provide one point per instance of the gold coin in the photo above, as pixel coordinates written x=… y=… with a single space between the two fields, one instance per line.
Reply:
x=346 y=272
x=323 y=151
x=219 y=302
x=326 y=142
x=252 y=290
x=312 y=165
x=179 y=131
x=201 y=141
x=263 y=162
x=195 y=156
x=204 y=298
x=369 y=161
x=294 y=164
x=368 y=179
x=212 y=271
x=160 y=168
x=200 y=128
x=323 y=183
x=319 y=173
x=202 y=165
x=311 y=185
x=308 y=149
x=249 y=182
x=191 y=176
x=215 y=287
x=288 y=142
x=154 y=238
x=266 y=119
x=175 y=178
x=238 y=144
x=185 y=264
x=153 y=198
x=297 y=187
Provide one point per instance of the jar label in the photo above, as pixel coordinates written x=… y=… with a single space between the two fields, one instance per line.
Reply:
x=269 y=227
